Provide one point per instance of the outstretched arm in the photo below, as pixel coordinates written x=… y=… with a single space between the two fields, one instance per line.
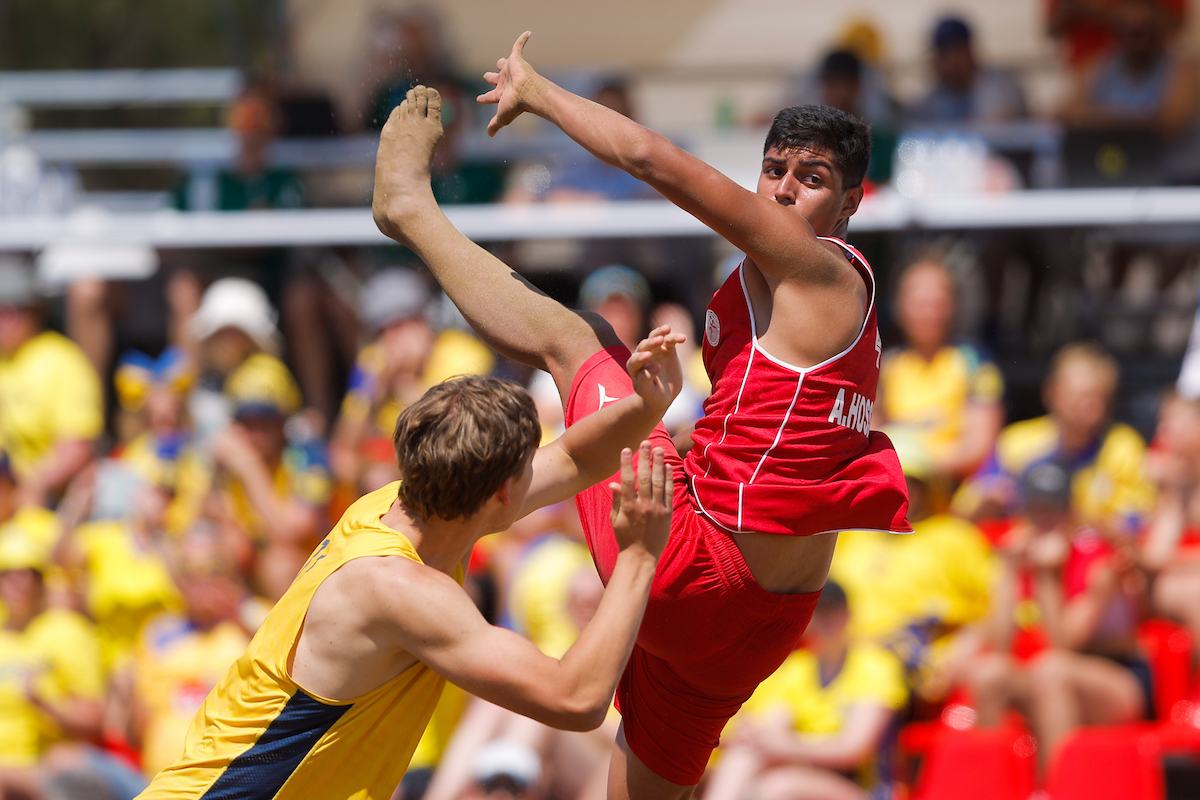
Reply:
x=779 y=241
x=589 y=451
x=440 y=626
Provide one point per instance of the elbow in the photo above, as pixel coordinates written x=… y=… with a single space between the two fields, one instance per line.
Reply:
x=641 y=155
x=581 y=714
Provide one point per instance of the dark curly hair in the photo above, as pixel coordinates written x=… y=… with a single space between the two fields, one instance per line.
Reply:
x=843 y=135
x=459 y=442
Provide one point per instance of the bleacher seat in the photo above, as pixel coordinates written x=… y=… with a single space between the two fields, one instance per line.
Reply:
x=1168 y=648
x=1115 y=762
x=981 y=764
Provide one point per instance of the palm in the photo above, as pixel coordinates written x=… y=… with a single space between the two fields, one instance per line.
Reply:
x=509 y=80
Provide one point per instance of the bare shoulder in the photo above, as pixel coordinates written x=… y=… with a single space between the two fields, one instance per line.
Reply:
x=378 y=587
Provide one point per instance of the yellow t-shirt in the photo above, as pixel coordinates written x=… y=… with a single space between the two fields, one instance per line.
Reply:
x=939 y=578
x=259 y=726
x=49 y=393
x=869 y=675
x=59 y=650
x=538 y=596
x=40 y=527
x=1110 y=484
x=175 y=667
x=927 y=399
x=125 y=585
x=454 y=352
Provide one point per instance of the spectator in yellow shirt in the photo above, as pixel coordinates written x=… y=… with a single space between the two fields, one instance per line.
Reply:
x=183 y=654
x=815 y=728
x=275 y=491
x=51 y=682
x=405 y=357
x=945 y=394
x=1110 y=487
x=919 y=595
x=51 y=406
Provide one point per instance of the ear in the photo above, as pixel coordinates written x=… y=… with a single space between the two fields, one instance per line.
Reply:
x=504 y=493
x=852 y=200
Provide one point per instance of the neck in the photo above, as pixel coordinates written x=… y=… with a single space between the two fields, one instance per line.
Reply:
x=441 y=544
x=18 y=620
x=1075 y=440
x=831 y=657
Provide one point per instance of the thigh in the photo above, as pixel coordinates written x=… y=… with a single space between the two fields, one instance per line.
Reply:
x=1107 y=691
x=806 y=783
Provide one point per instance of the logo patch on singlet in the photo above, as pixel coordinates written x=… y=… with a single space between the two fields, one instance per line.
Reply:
x=712 y=328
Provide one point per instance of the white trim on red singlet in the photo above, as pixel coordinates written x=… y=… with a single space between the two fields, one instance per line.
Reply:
x=736 y=407
x=779 y=433
x=854 y=256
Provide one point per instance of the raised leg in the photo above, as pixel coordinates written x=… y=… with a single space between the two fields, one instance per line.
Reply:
x=508 y=313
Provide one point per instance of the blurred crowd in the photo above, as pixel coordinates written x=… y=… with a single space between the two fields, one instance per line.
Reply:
x=169 y=461
x=142 y=543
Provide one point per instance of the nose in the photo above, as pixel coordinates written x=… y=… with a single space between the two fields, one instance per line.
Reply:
x=787 y=190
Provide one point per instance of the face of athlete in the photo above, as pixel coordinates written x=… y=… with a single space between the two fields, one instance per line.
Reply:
x=809 y=182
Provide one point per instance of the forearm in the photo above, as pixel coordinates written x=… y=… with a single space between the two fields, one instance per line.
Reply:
x=609 y=136
x=594 y=443
x=593 y=665
x=58 y=466
x=1000 y=626
x=1166 y=528
x=286 y=519
x=1048 y=593
x=77 y=719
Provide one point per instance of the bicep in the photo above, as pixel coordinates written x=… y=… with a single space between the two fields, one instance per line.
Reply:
x=438 y=624
x=779 y=241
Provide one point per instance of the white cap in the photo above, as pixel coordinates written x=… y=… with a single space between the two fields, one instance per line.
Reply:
x=509 y=758
x=237 y=303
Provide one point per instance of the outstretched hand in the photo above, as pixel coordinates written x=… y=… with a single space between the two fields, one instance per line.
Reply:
x=655 y=369
x=642 y=504
x=516 y=82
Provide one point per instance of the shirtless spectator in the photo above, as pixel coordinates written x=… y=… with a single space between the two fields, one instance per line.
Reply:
x=49 y=392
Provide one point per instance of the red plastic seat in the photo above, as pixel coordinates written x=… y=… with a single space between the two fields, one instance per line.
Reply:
x=1168 y=648
x=981 y=764
x=1108 y=763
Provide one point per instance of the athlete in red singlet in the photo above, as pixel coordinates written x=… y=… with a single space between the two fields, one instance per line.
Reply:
x=785 y=449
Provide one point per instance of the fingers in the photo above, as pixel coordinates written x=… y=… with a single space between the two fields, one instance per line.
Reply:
x=628 y=490
x=519 y=47
x=658 y=479
x=643 y=471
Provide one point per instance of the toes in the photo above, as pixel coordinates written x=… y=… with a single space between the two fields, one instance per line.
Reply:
x=435 y=105
x=410 y=102
x=422 y=95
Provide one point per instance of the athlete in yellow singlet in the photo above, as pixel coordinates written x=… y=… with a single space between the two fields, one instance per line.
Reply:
x=332 y=696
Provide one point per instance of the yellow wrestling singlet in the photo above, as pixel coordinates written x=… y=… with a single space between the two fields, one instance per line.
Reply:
x=259 y=736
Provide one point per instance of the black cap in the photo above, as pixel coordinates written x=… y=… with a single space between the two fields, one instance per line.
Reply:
x=951 y=32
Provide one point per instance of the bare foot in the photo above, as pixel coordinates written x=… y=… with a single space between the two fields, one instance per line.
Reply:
x=406 y=145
